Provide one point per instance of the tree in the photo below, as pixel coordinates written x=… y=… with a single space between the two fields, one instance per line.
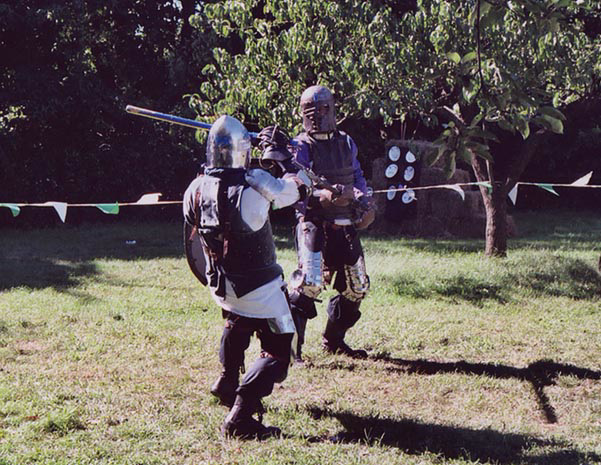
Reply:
x=482 y=71
x=69 y=69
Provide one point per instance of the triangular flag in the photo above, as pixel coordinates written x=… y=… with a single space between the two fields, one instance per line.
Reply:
x=513 y=193
x=108 y=208
x=548 y=187
x=455 y=188
x=487 y=185
x=148 y=199
x=61 y=209
x=583 y=181
x=15 y=210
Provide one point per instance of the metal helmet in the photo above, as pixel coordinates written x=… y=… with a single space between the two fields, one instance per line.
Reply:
x=228 y=145
x=317 y=108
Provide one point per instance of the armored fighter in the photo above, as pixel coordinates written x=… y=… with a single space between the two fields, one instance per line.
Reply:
x=226 y=213
x=326 y=234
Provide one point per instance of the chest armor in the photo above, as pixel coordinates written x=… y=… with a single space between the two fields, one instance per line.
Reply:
x=246 y=257
x=332 y=159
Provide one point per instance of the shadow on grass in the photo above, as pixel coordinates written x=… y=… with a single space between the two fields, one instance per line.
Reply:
x=554 y=276
x=476 y=246
x=39 y=273
x=454 y=443
x=536 y=230
x=540 y=374
x=562 y=277
x=457 y=287
x=59 y=257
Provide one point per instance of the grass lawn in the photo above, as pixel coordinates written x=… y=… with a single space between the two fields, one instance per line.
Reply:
x=108 y=350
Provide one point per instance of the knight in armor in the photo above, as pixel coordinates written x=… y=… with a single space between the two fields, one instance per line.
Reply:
x=327 y=241
x=228 y=207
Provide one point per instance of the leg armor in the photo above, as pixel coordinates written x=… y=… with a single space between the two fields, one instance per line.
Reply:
x=307 y=281
x=308 y=278
x=345 y=254
x=356 y=281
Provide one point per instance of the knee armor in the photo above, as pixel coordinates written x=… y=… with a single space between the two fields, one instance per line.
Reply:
x=357 y=281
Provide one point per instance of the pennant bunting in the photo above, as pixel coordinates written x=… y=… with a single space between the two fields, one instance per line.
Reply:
x=583 y=181
x=456 y=188
x=487 y=185
x=513 y=194
x=108 y=208
x=547 y=187
x=149 y=199
x=61 y=209
x=15 y=210
x=154 y=198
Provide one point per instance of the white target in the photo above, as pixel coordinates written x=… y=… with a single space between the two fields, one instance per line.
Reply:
x=394 y=153
x=408 y=196
x=391 y=192
x=391 y=171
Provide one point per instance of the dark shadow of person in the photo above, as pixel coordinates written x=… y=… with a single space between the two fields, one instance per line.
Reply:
x=453 y=442
x=540 y=373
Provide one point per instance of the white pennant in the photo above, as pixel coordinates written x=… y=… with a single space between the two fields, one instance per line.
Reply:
x=148 y=199
x=456 y=188
x=583 y=181
x=513 y=193
x=61 y=209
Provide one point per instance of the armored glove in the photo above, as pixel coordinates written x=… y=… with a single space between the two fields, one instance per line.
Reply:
x=343 y=198
x=367 y=218
x=365 y=209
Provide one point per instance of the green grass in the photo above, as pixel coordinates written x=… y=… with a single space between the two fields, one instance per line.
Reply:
x=108 y=349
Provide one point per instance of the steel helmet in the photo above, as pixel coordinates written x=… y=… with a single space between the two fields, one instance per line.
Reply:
x=228 y=145
x=317 y=108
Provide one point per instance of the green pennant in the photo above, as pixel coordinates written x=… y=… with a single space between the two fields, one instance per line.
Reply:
x=15 y=210
x=487 y=185
x=548 y=187
x=108 y=208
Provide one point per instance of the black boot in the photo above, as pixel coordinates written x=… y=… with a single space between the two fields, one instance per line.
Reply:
x=300 y=322
x=333 y=342
x=240 y=423
x=225 y=388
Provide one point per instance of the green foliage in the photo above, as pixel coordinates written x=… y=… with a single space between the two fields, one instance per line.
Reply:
x=502 y=67
x=70 y=69
x=506 y=63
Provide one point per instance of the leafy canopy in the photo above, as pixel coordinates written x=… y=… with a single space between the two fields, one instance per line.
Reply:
x=475 y=64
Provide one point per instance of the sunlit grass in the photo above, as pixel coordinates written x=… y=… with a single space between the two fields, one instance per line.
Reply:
x=108 y=349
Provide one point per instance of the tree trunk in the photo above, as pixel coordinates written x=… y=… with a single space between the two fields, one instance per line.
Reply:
x=510 y=160
x=495 y=206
